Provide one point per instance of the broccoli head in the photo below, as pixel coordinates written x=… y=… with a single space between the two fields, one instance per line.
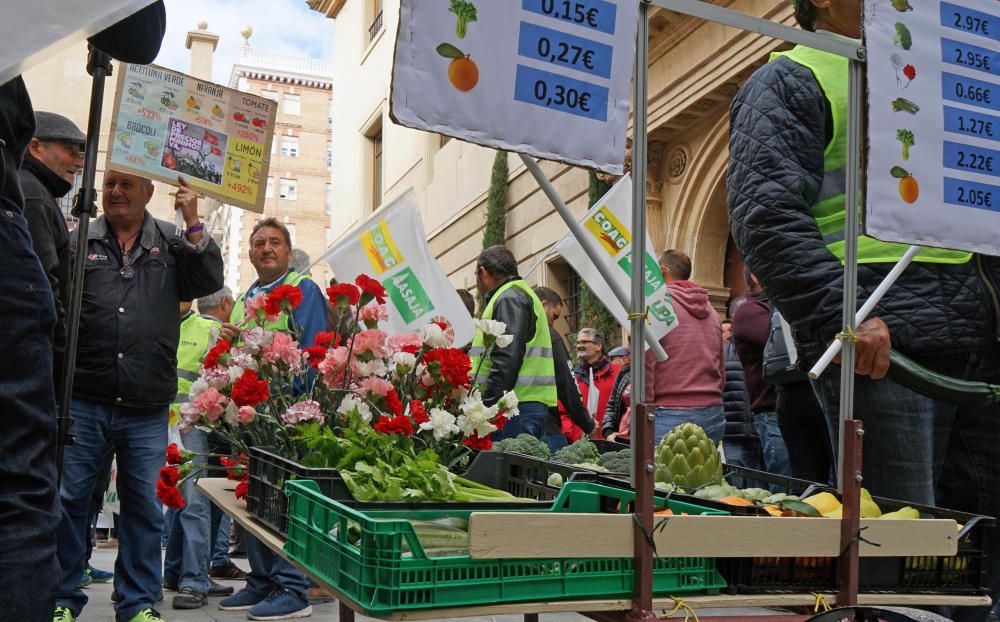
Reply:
x=523 y=444
x=902 y=37
x=905 y=137
x=465 y=12
x=581 y=451
x=617 y=461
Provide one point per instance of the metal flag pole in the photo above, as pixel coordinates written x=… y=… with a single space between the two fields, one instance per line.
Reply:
x=84 y=208
x=587 y=243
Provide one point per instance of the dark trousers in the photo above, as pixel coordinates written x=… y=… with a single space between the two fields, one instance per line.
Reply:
x=29 y=503
x=804 y=428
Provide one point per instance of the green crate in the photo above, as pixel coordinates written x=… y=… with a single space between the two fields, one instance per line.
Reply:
x=381 y=578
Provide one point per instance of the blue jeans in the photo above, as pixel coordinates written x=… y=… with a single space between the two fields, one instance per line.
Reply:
x=269 y=572
x=220 y=548
x=772 y=444
x=744 y=452
x=710 y=418
x=29 y=500
x=139 y=440
x=555 y=441
x=930 y=452
x=189 y=547
x=530 y=420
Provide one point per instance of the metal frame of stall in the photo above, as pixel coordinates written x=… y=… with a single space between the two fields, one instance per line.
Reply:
x=849 y=454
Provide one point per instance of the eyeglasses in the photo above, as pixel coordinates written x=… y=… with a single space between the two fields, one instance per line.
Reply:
x=579 y=341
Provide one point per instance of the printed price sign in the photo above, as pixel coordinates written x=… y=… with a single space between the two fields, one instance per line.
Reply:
x=549 y=78
x=934 y=118
x=167 y=124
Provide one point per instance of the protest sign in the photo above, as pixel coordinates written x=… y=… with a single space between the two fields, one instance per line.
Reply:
x=540 y=77
x=167 y=124
x=934 y=122
x=609 y=221
x=391 y=246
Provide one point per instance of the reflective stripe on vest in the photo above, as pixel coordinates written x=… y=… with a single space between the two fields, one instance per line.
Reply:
x=281 y=324
x=196 y=332
x=830 y=72
x=536 y=380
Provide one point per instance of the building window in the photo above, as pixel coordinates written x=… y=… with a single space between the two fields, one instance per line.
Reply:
x=269 y=94
x=329 y=200
x=270 y=188
x=291 y=104
x=328 y=237
x=329 y=115
x=376 y=25
x=290 y=146
x=571 y=303
x=288 y=189
x=377 y=169
x=291 y=232
x=329 y=156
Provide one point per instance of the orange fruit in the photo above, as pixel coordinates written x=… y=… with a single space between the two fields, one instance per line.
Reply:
x=463 y=73
x=734 y=501
x=908 y=189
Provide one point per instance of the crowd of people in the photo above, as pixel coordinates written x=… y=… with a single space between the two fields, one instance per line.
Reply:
x=740 y=377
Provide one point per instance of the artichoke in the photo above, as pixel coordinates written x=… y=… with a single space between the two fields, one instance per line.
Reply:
x=687 y=458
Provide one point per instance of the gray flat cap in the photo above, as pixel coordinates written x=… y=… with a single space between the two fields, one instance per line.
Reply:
x=619 y=351
x=52 y=126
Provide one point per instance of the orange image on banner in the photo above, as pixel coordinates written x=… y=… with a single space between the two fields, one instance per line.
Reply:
x=380 y=249
x=609 y=231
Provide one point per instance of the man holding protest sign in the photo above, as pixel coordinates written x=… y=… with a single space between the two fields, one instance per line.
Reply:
x=788 y=149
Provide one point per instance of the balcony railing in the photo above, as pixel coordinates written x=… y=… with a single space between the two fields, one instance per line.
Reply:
x=376 y=26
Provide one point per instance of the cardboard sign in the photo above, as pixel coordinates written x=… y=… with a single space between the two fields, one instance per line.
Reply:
x=549 y=78
x=167 y=124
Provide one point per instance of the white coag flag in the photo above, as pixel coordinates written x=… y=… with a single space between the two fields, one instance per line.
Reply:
x=610 y=223
x=33 y=31
x=391 y=247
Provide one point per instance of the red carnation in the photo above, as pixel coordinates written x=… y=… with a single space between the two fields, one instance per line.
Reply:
x=282 y=298
x=343 y=295
x=474 y=442
x=213 y=356
x=316 y=355
x=327 y=340
x=371 y=287
x=242 y=489
x=418 y=412
x=500 y=421
x=249 y=390
x=393 y=403
x=411 y=349
x=170 y=475
x=394 y=425
x=453 y=365
x=174 y=454
x=169 y=495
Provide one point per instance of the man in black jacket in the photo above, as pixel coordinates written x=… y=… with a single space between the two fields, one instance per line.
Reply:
x=29 y=508
x=54 y=157
x=787 y=153
x=138 y=271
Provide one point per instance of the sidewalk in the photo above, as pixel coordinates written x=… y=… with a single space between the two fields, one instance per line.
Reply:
x=100 y=608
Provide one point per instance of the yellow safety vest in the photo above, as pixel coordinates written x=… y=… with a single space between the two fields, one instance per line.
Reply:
x=280 y=324
x=196 y=332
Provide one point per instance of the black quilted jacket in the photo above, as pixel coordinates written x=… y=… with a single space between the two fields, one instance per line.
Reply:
x=735 y=401
x=780 y=124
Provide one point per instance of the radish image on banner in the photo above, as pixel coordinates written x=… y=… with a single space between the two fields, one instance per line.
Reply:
x=610 y=223
x=391 y=247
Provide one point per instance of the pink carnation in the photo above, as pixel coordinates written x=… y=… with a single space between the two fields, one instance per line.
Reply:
x=375 y=386
x=371 y=341
x=210 y=403
x=333 y=366
x=255 y=309
x=284 y=349
x=372 y=314
x=411 y=342
x=246 y=414
x=307 y=410
x=217 y=377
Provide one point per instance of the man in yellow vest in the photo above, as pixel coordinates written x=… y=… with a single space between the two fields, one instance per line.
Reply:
x=275 y=589
x=788 y=156
x=525 y=366
x=191 y=534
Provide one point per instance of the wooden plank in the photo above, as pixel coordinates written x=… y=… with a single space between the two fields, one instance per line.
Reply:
x=220 y=492
x=496 y=535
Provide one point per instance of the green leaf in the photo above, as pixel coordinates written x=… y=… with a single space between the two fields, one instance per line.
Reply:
x=899 y=172
x=449 y=51
x=800 y=507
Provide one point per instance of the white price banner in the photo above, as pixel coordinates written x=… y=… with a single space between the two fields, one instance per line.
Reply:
x=549 y=78
x=934 y=123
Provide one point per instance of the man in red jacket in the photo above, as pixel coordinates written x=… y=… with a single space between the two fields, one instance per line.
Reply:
x=595 y=377
x=687 y=387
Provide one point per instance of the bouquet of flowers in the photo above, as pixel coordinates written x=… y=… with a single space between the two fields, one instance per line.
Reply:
x=353 y=387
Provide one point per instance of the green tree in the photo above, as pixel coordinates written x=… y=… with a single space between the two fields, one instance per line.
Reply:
x=593 y=313
x=495 y=231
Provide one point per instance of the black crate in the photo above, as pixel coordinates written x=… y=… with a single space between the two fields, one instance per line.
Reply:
x=520 y=475
x=267 y=501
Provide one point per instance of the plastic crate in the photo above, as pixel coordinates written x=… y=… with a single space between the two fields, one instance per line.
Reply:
x=376 y=573
x=520 y=475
